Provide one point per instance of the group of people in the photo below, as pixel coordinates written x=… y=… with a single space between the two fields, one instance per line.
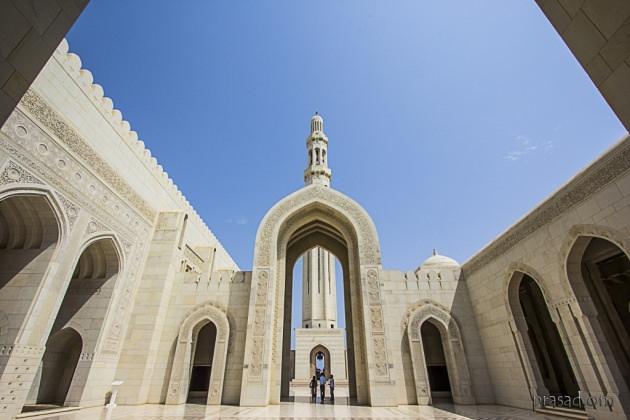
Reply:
x=321 y=380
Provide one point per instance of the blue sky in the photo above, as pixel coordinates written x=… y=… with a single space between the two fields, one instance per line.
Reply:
x=447 y=120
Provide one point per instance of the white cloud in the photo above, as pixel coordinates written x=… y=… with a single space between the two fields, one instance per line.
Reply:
x=527 y=146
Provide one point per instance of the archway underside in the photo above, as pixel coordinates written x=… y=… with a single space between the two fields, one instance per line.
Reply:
x=317 y=233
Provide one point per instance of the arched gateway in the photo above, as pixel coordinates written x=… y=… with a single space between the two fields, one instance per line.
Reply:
x=316 y=215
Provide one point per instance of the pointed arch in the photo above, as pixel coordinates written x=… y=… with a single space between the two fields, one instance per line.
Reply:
x=546 y=356
x=59 y=363
x=51 y=199
x=182 y=361
x=33 y=230
x=453 y=345
x=313 y=363
x=596 y=276
x=316 y=216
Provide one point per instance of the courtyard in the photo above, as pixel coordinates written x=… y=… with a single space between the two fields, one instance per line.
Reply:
x=300 y=410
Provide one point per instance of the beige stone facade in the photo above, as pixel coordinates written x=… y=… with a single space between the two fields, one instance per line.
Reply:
x=108 y=275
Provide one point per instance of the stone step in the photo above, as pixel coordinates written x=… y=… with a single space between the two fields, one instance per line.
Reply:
x=570 y=413
x=46 y=412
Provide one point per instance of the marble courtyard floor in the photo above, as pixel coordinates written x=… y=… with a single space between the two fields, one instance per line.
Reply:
x=298 y=410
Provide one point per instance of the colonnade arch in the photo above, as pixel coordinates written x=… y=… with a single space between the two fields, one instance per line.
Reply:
x=598 y=274
x=453 y=350
x=59 y=363
x=184 y=354
x=31 y=231
x=316 y=216
x=66 y=280
x=86 y=303
x=311 y=235
x=541 y=345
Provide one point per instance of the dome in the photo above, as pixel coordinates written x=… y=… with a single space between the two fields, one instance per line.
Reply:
x=438 y=261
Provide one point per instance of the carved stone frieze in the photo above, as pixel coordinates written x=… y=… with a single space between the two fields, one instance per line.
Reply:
x=68 y=136
x=71 y=210
x=368 y=247
x=255 y=365
x=374 y=296
x=262 y=287
x=376 y=319
x=380 y=355
x=12 y=173
x=44 y=159
x=94 y=226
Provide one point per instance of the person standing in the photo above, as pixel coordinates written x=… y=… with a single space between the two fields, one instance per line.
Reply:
x=322 y=386
x=313 y=386
x=331 y=384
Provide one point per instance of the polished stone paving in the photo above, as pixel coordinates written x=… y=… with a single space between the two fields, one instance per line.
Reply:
x=299 y=410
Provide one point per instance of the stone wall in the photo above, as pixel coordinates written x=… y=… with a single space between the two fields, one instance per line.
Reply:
x=405 y=291
x=70 y=164
x=30 y=31
x=596 y=202
x=596 y=32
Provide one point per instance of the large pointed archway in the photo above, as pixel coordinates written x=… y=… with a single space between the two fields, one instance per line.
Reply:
x=541 y=348
x=598 y=274
x=316 y=216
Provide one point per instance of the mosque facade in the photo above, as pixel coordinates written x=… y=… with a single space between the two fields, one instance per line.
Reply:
x=111 y=283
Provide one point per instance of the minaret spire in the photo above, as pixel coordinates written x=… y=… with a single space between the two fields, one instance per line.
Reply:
x=317 y=170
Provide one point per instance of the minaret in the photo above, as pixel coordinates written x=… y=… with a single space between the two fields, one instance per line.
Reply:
x=317 y=171
x=319 y=289
x=319 y=295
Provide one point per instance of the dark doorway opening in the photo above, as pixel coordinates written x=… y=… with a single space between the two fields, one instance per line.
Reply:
x=549 y=352
x=201 y=370
x=435 y=359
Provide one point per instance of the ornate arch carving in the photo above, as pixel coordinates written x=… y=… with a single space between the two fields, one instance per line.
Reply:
x=182 y=361
x=514 y=275
x=57 y=208
x=333 y=201
x=573 y=248
x=320 y=206
x=518 y=325
x=588 y=319
x=453 y=345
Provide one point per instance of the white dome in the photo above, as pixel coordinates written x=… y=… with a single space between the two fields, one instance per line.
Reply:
x=438 y=261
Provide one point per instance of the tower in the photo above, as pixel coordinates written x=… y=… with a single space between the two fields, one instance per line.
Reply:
x=320 y=343
x=317 y=170
x=319 y=295
x=319 y=289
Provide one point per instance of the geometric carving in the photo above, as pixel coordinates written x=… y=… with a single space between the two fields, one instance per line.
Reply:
x=255 y=366
x=45 y=114
x=374 y=296
x=96 y=226
x=261 y=288
x=376 y=319
x=71 y=210
x=14 y=174
x=368 y=248
x=380 y=356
